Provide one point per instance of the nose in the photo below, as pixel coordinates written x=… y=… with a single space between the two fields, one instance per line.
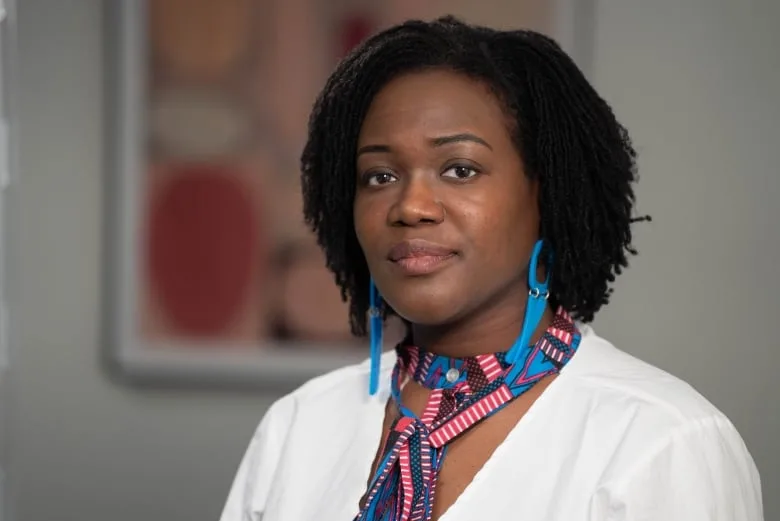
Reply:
x=417 y=204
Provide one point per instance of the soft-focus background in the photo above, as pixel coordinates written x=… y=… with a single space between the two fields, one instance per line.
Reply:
x=695 y=81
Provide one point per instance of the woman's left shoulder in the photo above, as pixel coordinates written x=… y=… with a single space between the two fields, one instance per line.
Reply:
x=616 y=377
x=672 y=453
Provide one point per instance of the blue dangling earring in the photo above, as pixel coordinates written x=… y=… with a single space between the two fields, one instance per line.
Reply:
x=538 y=294
x=375 y=334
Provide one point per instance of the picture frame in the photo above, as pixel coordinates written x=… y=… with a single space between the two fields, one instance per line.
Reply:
x=131 y=353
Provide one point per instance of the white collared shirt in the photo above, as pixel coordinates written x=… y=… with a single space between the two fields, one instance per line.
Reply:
x=611 y=439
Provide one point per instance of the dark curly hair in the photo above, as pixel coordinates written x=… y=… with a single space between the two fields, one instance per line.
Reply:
x=567 y=137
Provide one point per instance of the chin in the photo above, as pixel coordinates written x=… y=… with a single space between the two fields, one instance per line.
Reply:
x=429 y=310
x=430 y=300
x=429 y=318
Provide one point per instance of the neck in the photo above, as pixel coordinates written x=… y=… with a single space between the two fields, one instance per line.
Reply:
x=489 y=332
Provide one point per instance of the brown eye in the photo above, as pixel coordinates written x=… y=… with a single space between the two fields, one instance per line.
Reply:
x=379 y=178
x=460 y=172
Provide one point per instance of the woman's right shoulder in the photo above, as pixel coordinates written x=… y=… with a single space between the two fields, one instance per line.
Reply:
x=340 y=389
x=321 y=407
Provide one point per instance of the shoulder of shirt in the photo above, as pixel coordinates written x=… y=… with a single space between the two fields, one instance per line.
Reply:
x=614 y=375
x=344 y=386
x=652 y=412
x=609 y=375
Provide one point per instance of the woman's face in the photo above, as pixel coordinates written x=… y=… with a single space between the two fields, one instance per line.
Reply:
x=444 y=212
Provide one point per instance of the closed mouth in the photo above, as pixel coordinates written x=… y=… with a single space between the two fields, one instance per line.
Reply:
x=419 y=248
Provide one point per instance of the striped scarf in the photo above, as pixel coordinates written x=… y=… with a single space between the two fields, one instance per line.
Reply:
x=463 y=393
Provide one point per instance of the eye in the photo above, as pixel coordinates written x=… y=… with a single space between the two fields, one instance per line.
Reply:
x=460 y=172
x=379 y=178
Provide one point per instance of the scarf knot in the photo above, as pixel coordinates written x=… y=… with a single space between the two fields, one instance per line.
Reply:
x=464 y=392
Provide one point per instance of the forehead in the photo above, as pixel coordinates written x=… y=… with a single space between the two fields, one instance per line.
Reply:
x=433 y=102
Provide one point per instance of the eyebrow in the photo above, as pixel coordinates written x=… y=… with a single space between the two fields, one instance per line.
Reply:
x=435 y=142
x=459 y=138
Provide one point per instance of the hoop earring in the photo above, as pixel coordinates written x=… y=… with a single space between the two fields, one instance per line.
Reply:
x=538 y=295
x=375 y=336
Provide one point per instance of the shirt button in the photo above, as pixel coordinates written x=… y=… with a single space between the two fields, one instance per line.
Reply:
x=452 y=375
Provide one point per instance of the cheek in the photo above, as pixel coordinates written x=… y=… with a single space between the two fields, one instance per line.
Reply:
x=506 y=234
x=366 y=220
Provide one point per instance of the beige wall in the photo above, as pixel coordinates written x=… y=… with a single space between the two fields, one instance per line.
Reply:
x=695 y=80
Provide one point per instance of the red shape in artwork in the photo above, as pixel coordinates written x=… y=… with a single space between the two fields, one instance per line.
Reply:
x=355 y=29
x=202 y=247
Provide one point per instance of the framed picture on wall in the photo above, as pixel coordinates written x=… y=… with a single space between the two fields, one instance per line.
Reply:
x=211 y=275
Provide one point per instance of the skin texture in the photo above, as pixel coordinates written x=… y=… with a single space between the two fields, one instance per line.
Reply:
x=436 y=162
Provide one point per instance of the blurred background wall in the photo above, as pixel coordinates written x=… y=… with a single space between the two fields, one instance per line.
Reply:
x=695 y=81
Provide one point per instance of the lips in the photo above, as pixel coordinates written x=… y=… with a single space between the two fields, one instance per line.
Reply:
x=420 y=257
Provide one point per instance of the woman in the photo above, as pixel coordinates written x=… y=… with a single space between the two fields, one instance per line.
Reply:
x=472 y=182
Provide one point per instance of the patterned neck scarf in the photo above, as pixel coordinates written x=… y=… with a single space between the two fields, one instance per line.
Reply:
x=463 y=393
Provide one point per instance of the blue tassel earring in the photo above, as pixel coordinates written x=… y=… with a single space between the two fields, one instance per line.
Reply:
x=538 y=294
x=375 y=333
